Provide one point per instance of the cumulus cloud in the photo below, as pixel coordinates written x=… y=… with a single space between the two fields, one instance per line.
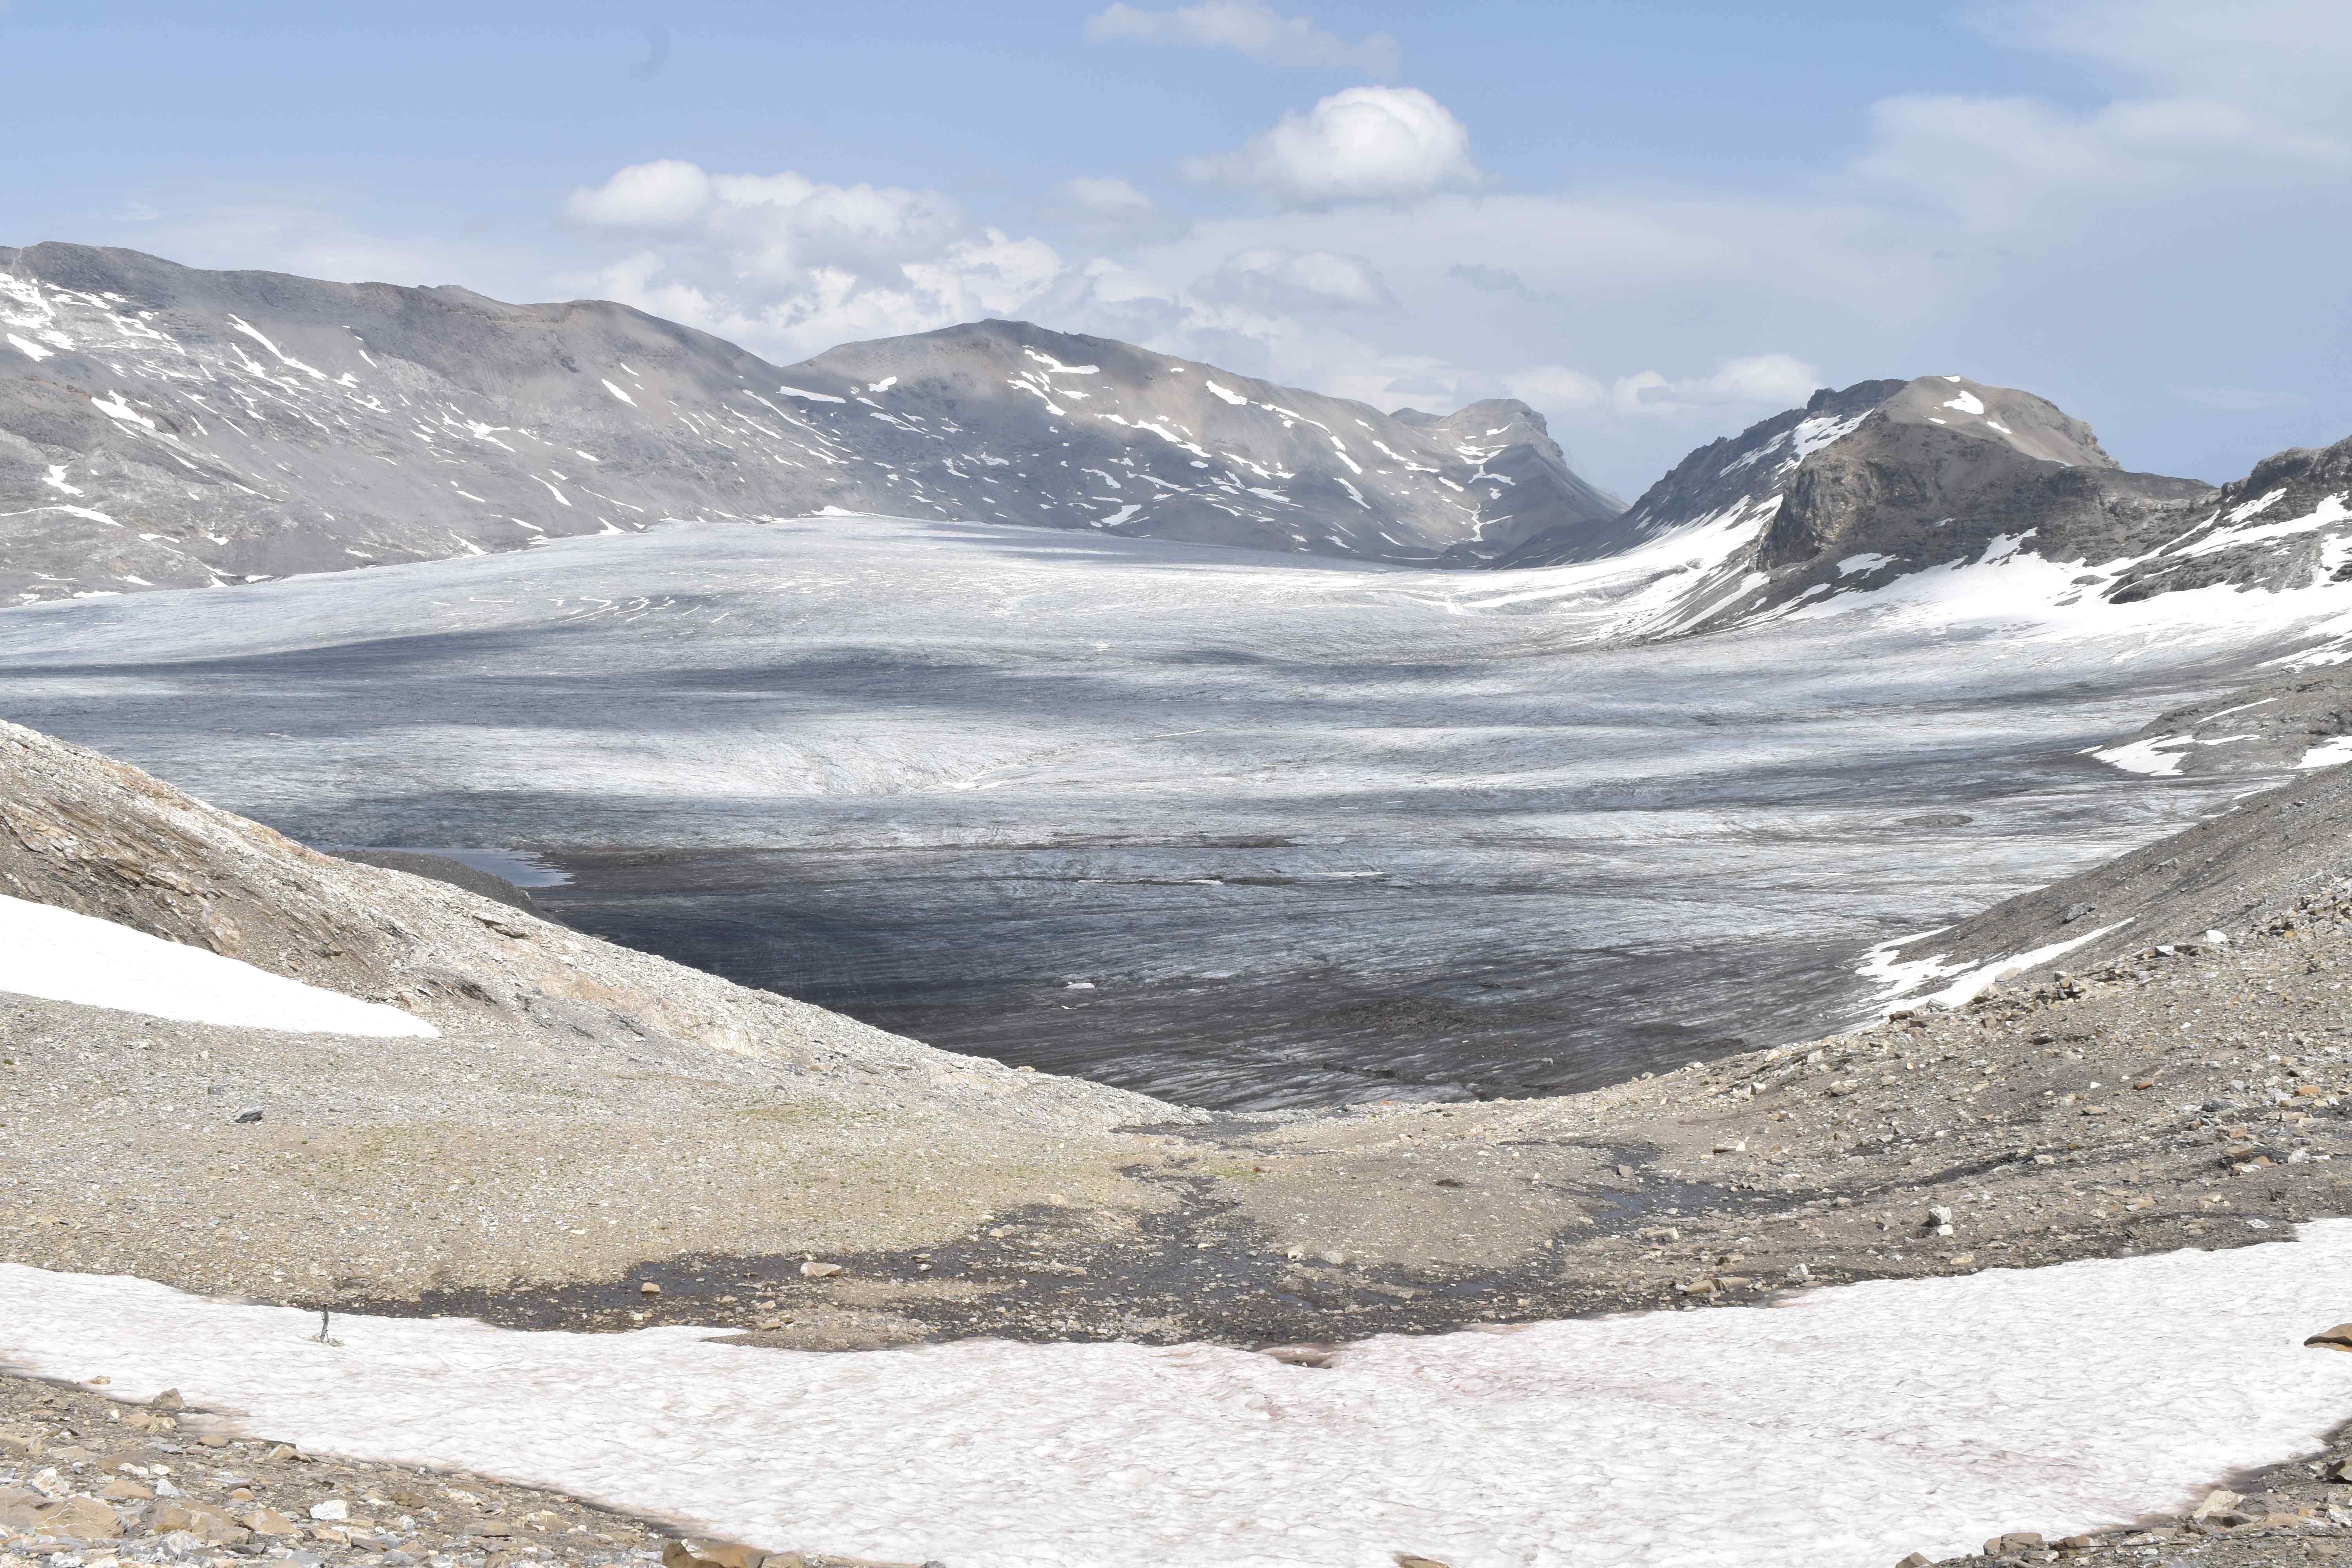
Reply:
x=1366 y=143
x=1250 y=28
x=1275 y=279
x=790 y=265
x=663 y=194
x=2094 y=245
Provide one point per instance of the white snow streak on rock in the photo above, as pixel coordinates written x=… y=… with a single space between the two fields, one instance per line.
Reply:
x=1848 y=1426
x=67 y=957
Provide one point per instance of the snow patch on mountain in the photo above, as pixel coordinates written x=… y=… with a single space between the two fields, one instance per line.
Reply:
x=62 y=956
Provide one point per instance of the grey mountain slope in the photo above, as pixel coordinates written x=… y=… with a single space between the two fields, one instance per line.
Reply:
x=1004 y=421
x=2283 y=525
x=1885 y=480
x=164 y=426
x=2286 y=525
x=1719 y=480
x=2288 y=721
x=2241 y=870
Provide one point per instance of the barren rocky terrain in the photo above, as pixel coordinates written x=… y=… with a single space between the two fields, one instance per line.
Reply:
x=87 y=1480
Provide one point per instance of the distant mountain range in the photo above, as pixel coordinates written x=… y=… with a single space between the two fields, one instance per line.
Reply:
x=162 y=427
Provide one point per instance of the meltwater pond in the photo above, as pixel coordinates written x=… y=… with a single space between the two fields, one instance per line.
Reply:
x=1240 y=829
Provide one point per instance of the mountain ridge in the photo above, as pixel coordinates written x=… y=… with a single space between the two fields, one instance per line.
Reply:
x=165 y=426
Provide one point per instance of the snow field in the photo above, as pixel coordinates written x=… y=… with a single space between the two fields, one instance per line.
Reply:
x=1848 y=1424
x=62 y=956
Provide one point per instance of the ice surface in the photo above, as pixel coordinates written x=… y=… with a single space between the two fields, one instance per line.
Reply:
x=67 y=957
x=1848 y=1426
x=923 y=772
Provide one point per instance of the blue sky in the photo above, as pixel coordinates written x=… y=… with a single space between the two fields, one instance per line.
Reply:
x=1656 y=223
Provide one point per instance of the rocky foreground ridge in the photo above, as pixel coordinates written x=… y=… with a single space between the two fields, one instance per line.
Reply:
x=162 y=427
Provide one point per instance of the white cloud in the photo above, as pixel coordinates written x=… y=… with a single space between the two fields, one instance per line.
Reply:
x=1101 y=197
x=2282 y=52
x=1366 y=143
x=2008 y=162
x=2238 y=399
x=1252 y=28
x=2034 y=240
x=1762 y=383
x=1275 y=279
x=790 y=266
x=664 y=193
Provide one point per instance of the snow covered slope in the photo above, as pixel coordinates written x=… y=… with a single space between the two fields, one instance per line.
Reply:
x=162 y=427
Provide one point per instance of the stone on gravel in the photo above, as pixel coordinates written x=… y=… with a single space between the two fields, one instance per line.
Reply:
x=83 y=1518
x=269 y=1522
x=726 y=1555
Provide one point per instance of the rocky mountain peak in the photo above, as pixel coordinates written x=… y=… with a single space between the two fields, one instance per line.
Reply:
x=2001 y=415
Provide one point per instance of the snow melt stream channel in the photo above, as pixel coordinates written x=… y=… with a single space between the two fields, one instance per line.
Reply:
x=1846 y=1425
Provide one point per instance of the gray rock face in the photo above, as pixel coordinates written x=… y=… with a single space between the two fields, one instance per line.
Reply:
x=1927 y=479
x=1738 y=477
x=162 y=427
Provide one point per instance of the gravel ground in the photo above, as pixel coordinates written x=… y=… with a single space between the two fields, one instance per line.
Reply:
x=86 y=1483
